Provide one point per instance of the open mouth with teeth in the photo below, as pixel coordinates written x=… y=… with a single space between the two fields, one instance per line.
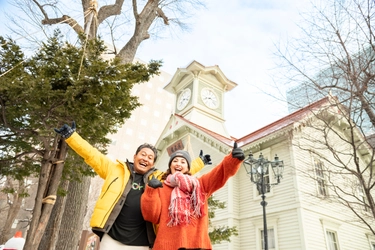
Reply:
x=143 y=164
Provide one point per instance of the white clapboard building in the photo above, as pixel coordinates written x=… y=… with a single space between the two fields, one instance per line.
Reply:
x=298 y=216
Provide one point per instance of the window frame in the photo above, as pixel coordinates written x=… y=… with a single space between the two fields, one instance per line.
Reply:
x=333 y=227
x=335 y=241
x=271 y=224
x=320 y=177
x=371 y=241
x=268 y=239
x=363 y=198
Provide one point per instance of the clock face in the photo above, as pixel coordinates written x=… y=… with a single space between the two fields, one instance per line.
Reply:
x=209 y=98
x=183 y=99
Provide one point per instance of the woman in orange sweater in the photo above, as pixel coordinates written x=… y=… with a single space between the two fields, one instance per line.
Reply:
x=179 y=205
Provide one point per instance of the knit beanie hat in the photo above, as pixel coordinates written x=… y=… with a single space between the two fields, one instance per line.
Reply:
x=180 y=153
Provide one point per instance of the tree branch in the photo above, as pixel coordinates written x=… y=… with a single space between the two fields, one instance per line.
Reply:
x=110 y=10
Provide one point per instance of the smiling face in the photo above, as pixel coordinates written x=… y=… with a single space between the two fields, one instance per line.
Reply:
x=179 y=164
x=144 y=160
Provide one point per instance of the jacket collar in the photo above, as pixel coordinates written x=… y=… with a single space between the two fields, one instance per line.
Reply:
x=130 y=166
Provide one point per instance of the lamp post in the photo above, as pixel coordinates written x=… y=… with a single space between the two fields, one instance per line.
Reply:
x=257 y=169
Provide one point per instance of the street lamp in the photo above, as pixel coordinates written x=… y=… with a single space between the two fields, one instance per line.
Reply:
x=257 y=169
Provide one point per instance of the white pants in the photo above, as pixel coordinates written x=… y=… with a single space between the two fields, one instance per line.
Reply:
x=107 y=243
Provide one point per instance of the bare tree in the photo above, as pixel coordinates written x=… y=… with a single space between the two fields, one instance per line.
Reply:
x=342 y=168
x=335 y=56
x=128 y=23
x=16 y=191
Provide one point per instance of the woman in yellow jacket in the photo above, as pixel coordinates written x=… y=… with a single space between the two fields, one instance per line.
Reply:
x=117 y=217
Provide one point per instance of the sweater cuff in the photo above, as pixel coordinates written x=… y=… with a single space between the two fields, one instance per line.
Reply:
x=233 y=160
x=149 y=191
x=232 y=164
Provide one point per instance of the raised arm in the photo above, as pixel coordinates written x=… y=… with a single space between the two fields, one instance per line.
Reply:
x=228 y=167
x=93 y=157
x=198 y=163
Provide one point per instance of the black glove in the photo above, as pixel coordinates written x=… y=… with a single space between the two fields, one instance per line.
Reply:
x=237 y=152
x=65 y=131
x=155 y=183
x=205 y=158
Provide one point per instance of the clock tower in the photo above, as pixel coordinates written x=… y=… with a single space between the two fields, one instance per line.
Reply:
x=199 y=92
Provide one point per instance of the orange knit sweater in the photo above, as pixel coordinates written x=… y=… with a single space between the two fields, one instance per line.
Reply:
x=155 y=203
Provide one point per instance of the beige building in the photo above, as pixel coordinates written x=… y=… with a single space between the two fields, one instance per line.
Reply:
x=144 y=126
x=146 y=122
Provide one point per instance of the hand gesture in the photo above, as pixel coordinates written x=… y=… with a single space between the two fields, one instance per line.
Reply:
x=237 y=152
x=155 y=183
x=65 y=131
x=205 y=158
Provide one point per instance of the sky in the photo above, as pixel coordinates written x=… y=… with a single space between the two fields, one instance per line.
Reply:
x=239 y=37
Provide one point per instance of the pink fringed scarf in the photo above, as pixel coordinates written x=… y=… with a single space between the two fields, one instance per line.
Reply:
x=187 y=199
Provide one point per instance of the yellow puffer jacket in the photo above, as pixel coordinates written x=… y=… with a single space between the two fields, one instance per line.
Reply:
x=115 y=174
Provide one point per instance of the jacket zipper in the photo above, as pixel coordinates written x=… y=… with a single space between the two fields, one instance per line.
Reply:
x=109 y=187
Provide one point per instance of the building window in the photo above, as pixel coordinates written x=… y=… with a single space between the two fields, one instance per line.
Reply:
x=141 y=136
x=320 y=179
x=146 y=109
x=155 y=126
x=331 y=227
x=270 y=239
x=332 y=240
x=126 y=146
x=362 y=197
x=129 y=131
x=14 y=225
x=268 y=176
x=266 y=181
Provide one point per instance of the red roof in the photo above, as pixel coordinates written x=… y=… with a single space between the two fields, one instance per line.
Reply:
x=267 y=130
x=281 y=123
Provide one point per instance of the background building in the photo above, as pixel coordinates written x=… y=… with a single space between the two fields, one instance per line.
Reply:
x=144 y=126
x=341 y=80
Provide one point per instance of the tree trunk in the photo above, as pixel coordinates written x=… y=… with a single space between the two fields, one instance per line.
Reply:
x=64 y=230
x=74 y=213
x=14 y=208
x=49 y=181
x=51 y=233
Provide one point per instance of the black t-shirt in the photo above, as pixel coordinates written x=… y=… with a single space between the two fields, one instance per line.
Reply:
x=130 y=228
